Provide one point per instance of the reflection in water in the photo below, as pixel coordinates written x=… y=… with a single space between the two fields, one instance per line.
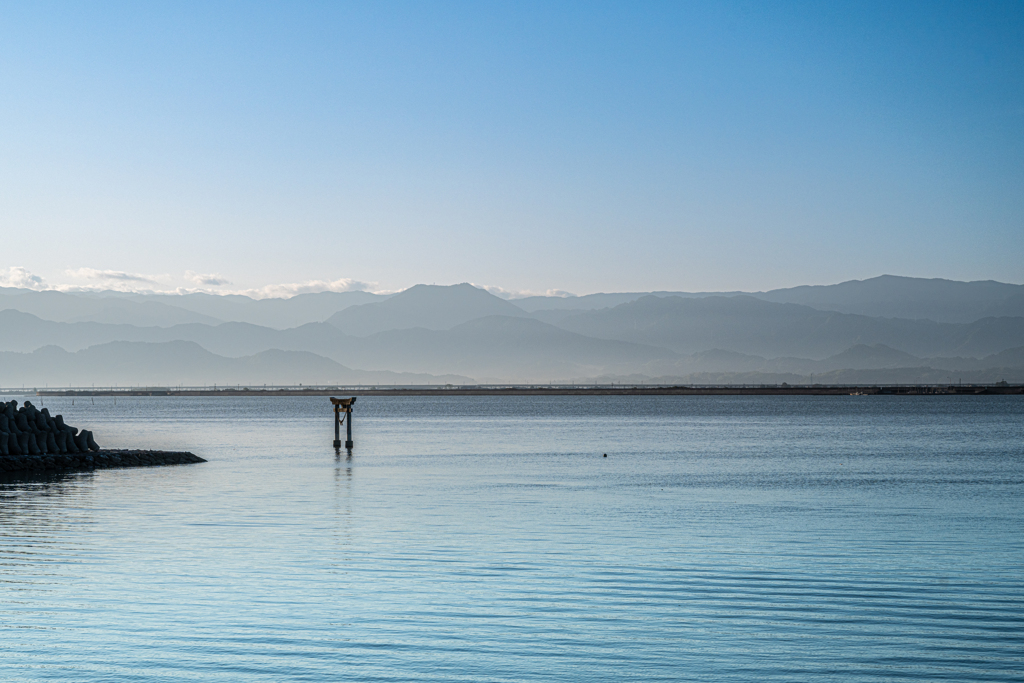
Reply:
x=342 y=529
x=45 y=523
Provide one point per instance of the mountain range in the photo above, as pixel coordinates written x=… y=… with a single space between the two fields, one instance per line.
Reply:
x=891 y=326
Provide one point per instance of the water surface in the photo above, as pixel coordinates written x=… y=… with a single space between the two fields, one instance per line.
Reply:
x=488 y=539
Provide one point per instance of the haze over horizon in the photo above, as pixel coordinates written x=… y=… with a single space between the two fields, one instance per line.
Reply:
x=531 y=148
x=19 y=278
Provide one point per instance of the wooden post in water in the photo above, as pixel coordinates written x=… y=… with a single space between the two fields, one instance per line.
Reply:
x=343 y=405
x=348 y=426
x=337 y=426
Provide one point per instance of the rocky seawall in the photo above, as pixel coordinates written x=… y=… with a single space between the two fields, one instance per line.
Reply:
x=101 y=459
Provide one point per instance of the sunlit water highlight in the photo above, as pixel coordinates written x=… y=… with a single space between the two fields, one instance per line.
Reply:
x=487 y=539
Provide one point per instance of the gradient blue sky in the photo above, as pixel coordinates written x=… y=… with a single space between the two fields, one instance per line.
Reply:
x=529 y=146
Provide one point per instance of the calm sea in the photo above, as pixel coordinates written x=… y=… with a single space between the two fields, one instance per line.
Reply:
x=487 y=539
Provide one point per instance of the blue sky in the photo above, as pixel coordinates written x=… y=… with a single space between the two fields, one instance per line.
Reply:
x=528 y=146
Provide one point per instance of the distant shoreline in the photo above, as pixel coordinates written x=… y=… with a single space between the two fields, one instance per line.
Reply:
x=548 y=390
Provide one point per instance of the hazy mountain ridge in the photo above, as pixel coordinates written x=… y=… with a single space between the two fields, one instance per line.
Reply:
x=186 y=363
x=891 y=296
x=593 y=302
x=275 y=313
x=63 y=307
x=430 y=307
x=165 y=310
x=504 y=348
x=749 y=325
x=496 y=347
x=882 y=296
x=467 y=331
x=885 y=296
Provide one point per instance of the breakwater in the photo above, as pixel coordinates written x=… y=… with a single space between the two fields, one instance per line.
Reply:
x=30 y=431
x=31 y=440
x=101 y=459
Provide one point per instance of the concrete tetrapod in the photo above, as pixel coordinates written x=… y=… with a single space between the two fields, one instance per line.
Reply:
x=30 y=431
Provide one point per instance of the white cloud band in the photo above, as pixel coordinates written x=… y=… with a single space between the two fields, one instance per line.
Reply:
x=19 y=277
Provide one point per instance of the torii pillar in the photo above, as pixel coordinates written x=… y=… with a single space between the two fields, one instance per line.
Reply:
x=343 y=405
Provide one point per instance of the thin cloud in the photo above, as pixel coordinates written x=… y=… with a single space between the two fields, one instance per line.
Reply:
x=22 y=278
x=109 y=275
x=213 y=283
x=522 y=293
x=207 y=279
x=288 y=290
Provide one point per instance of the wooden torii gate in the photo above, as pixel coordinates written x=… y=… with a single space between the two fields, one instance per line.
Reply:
x=343 y=405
